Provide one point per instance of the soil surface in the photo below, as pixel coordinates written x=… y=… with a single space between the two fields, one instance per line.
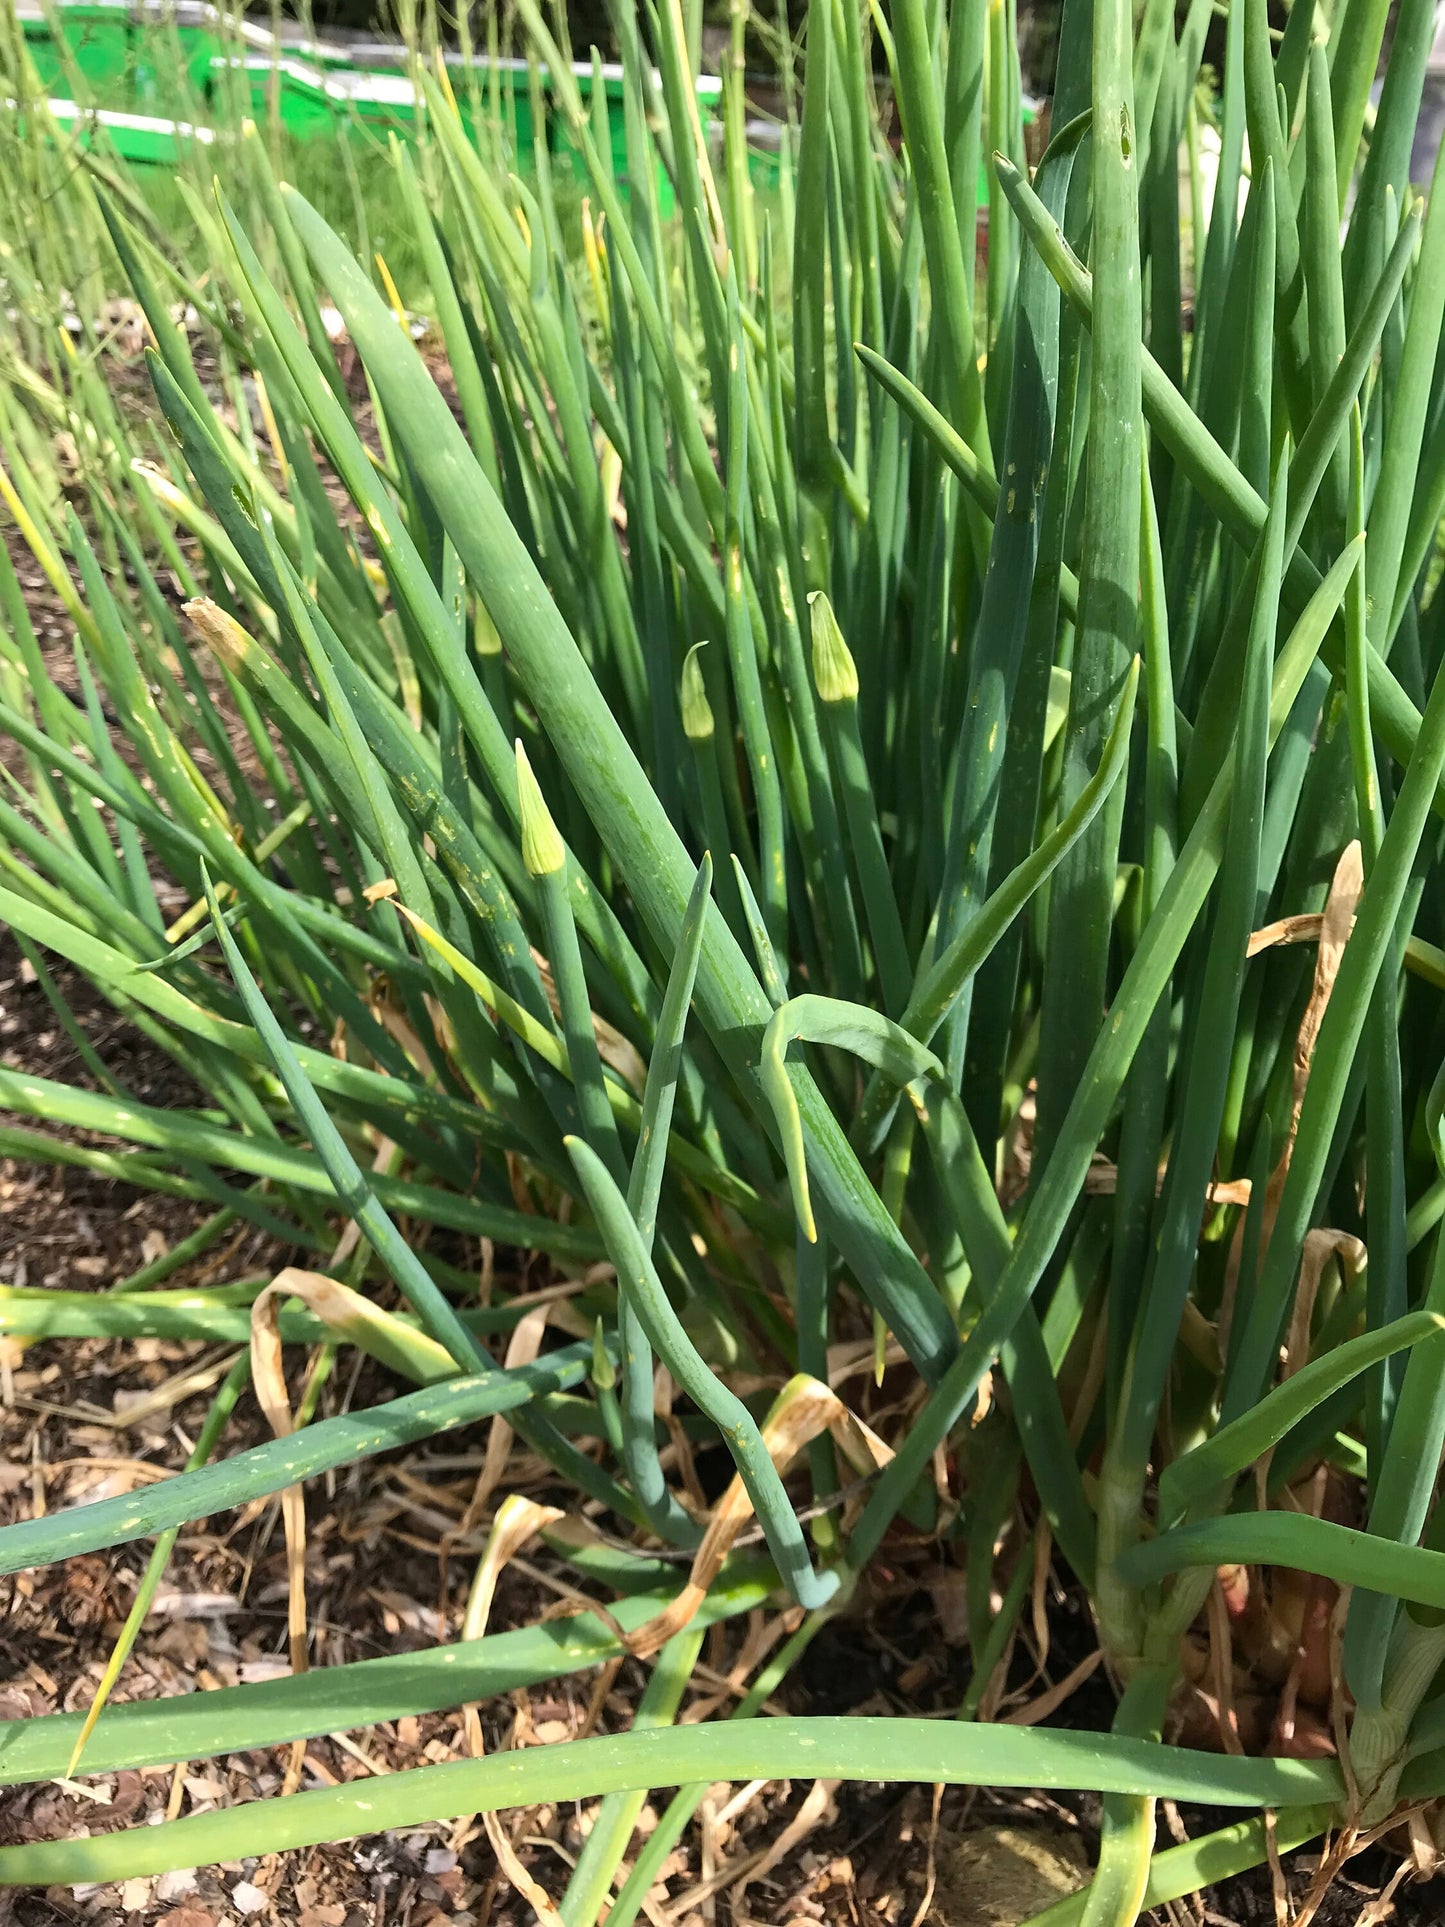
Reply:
x=84 y=1419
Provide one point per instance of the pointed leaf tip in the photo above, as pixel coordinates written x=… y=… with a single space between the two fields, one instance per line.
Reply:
x=604 y=1375
x=543 y=850
x=834 y=670
x=697 y=716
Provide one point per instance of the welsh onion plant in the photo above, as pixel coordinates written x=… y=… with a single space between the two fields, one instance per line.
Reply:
x=901 y=792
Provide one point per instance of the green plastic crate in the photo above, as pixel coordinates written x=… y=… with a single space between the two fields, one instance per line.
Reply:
x=149 y=77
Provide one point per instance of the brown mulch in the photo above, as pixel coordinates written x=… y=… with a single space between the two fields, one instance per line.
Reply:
x=375 y=1586
x=374 y=1578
